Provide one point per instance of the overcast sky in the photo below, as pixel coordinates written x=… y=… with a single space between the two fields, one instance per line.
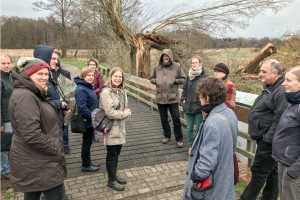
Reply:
x=270 y=24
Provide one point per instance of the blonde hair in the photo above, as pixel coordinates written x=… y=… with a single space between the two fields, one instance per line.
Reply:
x=112 y=72
x=92 y=60
x=198 y=58
x=57 y=52
x=85 y=71
x=295 y=71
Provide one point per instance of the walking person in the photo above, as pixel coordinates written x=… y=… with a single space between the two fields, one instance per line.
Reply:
x=86 y=101
x=191 y=103
x=286 y=141
x=36 y=155
x=264 y=117
x=6 y=91
x=212 y=150
x=114 y=101
x=98 y=78
x=167 y=76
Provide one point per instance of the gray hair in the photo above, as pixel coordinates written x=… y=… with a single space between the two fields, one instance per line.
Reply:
x=275 y=66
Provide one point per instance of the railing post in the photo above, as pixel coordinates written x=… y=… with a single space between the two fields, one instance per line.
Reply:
x=251 y=148
x=138 y=93
x=151 y=99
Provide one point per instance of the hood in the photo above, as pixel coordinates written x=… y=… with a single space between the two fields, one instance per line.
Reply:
x=79 y=81
x=43 y=52
x=168 y=52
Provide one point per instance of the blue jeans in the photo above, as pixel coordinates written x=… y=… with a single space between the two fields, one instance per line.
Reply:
x=5 y=167
x=66 y=135
x=191 y=120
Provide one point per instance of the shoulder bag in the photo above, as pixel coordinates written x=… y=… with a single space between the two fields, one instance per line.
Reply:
x=78 y=122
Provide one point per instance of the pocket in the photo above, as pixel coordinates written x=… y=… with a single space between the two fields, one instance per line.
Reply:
x=158 y=96
x=172 y=96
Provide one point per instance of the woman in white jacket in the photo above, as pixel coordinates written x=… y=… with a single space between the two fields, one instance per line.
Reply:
x=114 y=102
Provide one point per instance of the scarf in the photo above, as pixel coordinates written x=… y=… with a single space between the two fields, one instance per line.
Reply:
x=194 y=73
x=293 y=97
x=207 y=108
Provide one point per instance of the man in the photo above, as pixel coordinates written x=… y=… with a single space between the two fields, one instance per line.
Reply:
x=6 y=91
x=167 y=75
x=50 y=56
x=264 y=117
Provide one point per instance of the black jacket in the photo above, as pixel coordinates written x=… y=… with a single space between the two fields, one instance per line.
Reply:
x=264 y=115
x=6 y=91
x=192 y=103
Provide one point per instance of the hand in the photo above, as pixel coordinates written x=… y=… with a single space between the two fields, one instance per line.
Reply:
x=2 y=129
x=183 y=101
x=66 y=112
x=127 y=111
x=63 y=104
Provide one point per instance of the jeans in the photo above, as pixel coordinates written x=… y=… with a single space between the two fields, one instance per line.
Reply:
x=191 y=120
x=66 y=135
x=56 y=193
x=288 y=188
x=264 y=172
x=87 y=140
x=5 y=167
x=174 y=110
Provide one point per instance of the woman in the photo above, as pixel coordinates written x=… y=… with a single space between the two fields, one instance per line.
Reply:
x=86 y=101
x=212 y=150
x=98 y=78
x=191 y=104
x=37 y=158
x=113 y=100
x=286 y=141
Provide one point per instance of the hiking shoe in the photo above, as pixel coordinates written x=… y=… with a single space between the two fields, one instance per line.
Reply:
x=179 y=144
x=165 y=140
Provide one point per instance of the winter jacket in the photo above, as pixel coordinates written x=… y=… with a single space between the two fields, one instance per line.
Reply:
x=98 y=83
x=286 y=141
x=231 y=94
x=109 y=100
x=214 y=155
x=192 y=103
x=37 y=160
x=86 y=99
x=167 y=79
x=264 y=115
x=6 y=91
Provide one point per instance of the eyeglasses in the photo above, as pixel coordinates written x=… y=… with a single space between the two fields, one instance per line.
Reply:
x=216 y=71
x=193 y=63
x=92 y=65
x=115 y=76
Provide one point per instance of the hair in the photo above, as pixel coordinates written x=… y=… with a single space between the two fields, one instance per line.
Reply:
x=275 y=66
x=112 y=72
x=213 y=88
x=295 y=71
x=92 y=60
x=57 y=52
x=198 y=58
x=6 y=55
x=85 y=71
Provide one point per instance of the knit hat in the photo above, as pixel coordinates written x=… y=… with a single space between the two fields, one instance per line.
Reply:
x=222 y=68
x=32 y=65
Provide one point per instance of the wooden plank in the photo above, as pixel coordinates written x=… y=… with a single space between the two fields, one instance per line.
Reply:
x=242 y=113
x=245 y=153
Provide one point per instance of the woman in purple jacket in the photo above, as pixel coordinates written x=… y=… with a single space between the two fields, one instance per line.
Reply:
x=98 y=78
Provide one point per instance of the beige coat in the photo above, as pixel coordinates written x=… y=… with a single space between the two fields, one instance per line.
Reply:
x=109 y=100
x=167 y=79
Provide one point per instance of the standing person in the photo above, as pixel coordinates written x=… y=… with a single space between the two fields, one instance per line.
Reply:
x=98 y=80
x=264 y=117
x=221 y=71
x=114 y=101
x=286 y=141
x=6 y=91
x=37 y=159
x=191 y=103
x=86 y=101
x=212 y=150
x=167 y=76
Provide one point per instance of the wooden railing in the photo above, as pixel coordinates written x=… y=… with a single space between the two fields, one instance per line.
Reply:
x=142 y=90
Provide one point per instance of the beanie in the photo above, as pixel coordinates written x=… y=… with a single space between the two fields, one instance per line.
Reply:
x=222 y=68
x=32 y=65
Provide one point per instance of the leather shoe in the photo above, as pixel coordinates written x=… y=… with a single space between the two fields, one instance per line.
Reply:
x=121 y=180
x=179 y=144
x=165 y=140
x=95 y=164
x=91 y=168
x=66 y=149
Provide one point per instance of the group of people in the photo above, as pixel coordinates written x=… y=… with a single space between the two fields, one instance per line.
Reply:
x=33 y=110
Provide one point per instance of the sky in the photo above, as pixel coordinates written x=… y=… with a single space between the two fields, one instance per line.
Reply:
x=271 y=24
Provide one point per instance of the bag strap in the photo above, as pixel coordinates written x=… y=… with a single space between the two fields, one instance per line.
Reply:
x=229 y=124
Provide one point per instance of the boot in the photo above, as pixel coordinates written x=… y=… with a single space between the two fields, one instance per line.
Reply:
x=119 y=179
x=112 y=181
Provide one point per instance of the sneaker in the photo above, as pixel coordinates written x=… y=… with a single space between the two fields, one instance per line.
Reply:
x=179 y=144
x=66 y=149
x=189 y=151
x=165 y=140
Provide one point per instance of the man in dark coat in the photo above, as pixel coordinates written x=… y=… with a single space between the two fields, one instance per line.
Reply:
x=264 y=117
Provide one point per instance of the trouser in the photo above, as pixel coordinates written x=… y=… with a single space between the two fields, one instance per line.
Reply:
x=87 y=139
x=264 y=172
x=191 y=120
x=5 y=167
x=289 y=189
x=174 y=110
x=56 y=193
x=66 y=135
x=112 y=157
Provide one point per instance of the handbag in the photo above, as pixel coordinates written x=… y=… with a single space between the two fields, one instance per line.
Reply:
x=6 y=138
x=78 y=122
x=100 y=121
